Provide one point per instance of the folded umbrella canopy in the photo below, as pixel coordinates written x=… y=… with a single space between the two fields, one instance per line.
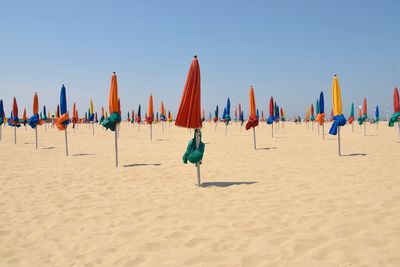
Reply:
x=115 y=117
x=74 y=118
x=276 y=113
x=262 y=116
x=91 y=111
x=150 y=116
x=138 y=115
x=396 y=109
x=227 y=116
x=338 y=118
x=216 y=114
x=24 y=119
x=34 y=120
x=240 y=111
x=282 y=113
x=252 y=122
x=271 y=119
x=363 y=117
x=312 y=117
x=351 y=117
x=189 y=116
x=321 y=114
x=44 y=114
x=162 y=112
x=376 y=118
x=63 y=121
x=14 y=117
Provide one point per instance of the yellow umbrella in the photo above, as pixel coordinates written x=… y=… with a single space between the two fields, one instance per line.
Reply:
x=338 y=118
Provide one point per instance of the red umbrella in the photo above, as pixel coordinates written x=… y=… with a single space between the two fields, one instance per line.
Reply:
x=396 y=105
x=189 y=116
x=189 y=113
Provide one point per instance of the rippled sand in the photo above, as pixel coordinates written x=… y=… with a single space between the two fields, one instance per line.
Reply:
x=292 y=202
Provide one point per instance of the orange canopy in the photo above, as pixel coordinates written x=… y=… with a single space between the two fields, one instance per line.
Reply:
x=35 y=104
x=189 y=114
x=162 y=109
x=150 y=112
x=113 y=98
x=15 y=108
x=364 y=107
x=24 y=115
x=252 y=103
x=119 y=107
x=74 y=112
x=102 y=111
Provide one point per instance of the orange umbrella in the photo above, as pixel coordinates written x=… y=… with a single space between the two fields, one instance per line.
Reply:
x=189 y=116
x=74 y=118
x=162 y=109
x=253 y=120
x=113 y=98
x=24 y=118
x=364 y=107
x=35 y=104
x=150 y=112
x=115 y=110
x=189 y=113
x=15 y=120
x=15 y=109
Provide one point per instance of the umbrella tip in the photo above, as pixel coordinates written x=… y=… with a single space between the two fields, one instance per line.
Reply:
x=335 y=75
x=195 y=56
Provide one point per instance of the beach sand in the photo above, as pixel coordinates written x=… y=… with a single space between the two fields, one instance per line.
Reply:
x=292 y=202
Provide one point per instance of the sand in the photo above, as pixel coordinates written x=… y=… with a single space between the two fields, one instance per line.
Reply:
x=292 y=202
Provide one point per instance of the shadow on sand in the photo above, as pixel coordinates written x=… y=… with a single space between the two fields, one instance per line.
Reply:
x=142 y=164
x=83 y=154
x=224 y=184
x=50 y=147
x=355 y=154
x=266 y=148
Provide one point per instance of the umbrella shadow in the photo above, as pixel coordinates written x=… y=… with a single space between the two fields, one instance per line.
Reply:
x=83 y=154
x=162 y=139
x=141 y=164
x=50 y=147
x=355 y=154
x=266 y=148
x=224 y=184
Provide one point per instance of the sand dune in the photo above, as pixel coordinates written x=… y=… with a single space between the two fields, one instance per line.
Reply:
x=292 y=202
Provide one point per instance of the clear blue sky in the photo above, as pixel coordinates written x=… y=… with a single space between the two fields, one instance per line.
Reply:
x=288 y=49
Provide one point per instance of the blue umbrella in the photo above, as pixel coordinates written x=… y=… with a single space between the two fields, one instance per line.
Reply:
x=224 y=114
x=321 y=103
x=139 y=112
x=228 y=108
x=63 y=101
x=63 y=121
x=377 y=114
x=216 y=112
x=257 y=115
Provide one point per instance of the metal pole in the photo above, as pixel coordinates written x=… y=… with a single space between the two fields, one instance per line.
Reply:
x=340 y=152
x=226 y=129
x=151 y=132
x=36 y=137
x=93 y=128
x=323 y=131
x=116 y=146
x=15 y=135
x=197 y=134
x=254 y=138
x=66 y=142
x=272 y=129
x=1 y=131
x=365 y=128
x=352 y=127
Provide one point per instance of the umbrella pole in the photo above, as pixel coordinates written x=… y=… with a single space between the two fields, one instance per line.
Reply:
x=352 y=127
x=36 y=137
x=272 y=129
x=365 y=128
x=318 y=127
x=312 y=126
x=197 y=134
x=162 y=124
x=323 y=131
x=116 y=146
x=93 y=128
x=45 y=126
x=151 y=132
x=138 y=126
x=226 y=129
x=339 y=148
x=215 y=128
x=1 y=131
x=15 y=135
x=254 y=138
x=66 y=142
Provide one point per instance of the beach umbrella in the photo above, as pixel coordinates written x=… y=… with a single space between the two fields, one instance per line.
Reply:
x=138 y=117
x=189 y=116
x=235 y=112
x=376 y=118
x=363 y=118
x=338 y=118
x=133 y=117
x=34 y=120
x=45 y=118
x=351 y=117
x=63 y=121
x=102 y=118
x=58 y=112
x=262 y=116
x=74 y=118
x=258 y=114
x=216 y=114
x=396 y=110
x=321 y=115
x=14 y=119
x=112 y=121
x=312 y=117
x=240 y=112
x=150 y=116
x=271 y=117
x=253 y=118
x=24 y=119
x=1 y=117
x=227 y=115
